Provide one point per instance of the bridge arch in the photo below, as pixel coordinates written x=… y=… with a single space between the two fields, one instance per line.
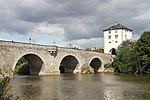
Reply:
x=68 y=64
x=95 y=63
x=34 y=63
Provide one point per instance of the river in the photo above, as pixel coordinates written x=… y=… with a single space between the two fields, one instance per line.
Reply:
x=103 y=86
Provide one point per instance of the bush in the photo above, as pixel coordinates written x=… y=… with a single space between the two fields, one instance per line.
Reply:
x=108 y=65
x=4 y=88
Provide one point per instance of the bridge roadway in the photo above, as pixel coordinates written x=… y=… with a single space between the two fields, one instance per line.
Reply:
x=47 y=60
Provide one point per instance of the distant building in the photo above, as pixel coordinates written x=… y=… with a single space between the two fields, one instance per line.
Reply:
x=115 y=35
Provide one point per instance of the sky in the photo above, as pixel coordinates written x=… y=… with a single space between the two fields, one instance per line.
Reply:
x=64 y=22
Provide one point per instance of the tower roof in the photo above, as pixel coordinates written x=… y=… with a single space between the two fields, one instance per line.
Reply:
x=117 y=26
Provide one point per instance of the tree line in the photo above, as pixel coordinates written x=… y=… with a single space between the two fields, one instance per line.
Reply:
x=99 y=50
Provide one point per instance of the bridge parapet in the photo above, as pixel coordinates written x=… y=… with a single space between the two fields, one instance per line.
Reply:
x=25 y=45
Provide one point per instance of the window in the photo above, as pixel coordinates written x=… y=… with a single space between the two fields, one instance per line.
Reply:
x=116 y=31
x=116 y=41
x=125 y=36
x=109 y=42
x=109 y=31
x=109 y=37
x=116 y=36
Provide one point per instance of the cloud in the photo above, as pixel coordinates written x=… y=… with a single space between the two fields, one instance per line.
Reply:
x=2 y=39
x=83 y=43
x=47 y=30
x=79 y=21
x=144 y=16
x=78 y=29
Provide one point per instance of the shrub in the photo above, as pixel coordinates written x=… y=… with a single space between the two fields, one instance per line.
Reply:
x=108 y=65
x=4 y=89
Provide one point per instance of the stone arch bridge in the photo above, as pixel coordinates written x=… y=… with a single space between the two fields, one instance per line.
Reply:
x=47 y=60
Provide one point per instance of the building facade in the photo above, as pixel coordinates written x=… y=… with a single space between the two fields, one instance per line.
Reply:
x=115 y=35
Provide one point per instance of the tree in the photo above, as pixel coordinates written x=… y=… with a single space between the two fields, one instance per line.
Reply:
x=134 y=57
x=99 y=50
x=88 y=49
x=124 y=54
x=143 y=48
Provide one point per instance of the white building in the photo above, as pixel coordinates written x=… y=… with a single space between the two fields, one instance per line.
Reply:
x=115 y=35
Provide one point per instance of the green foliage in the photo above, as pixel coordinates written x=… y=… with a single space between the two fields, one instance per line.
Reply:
x=87 y=69
x=21 y=61
x=88 y=49
x=134 y=57
x=143 y=49
x=123 y=58
x=4 y=89
x=108 y=65
x=100 y=50
x=22 y=67
x=5 y=93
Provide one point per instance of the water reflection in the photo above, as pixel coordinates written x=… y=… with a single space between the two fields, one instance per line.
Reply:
x=82 y=87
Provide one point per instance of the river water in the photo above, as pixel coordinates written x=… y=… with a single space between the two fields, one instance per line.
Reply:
x=103 y=86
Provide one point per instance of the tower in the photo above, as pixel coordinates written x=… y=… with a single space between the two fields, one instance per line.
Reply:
x=115 y=35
